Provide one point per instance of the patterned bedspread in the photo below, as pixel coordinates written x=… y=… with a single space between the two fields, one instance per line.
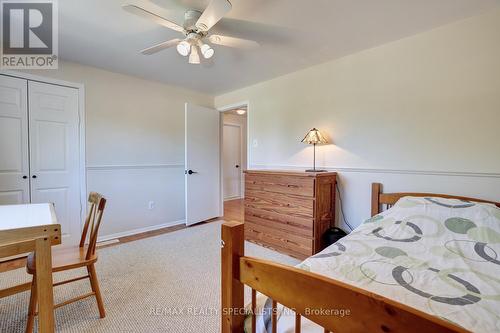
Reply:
x=441 y=256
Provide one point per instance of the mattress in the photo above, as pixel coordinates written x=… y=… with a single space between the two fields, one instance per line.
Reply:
x=440 y=256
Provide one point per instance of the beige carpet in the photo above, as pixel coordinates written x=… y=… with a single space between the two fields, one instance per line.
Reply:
x=150 y=285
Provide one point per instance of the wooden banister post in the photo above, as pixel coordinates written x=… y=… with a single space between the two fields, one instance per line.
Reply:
x=233 y=242
x=376 y=190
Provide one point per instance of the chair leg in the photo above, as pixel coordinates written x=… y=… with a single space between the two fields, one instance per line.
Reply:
x=95 y=288
x=32 y=307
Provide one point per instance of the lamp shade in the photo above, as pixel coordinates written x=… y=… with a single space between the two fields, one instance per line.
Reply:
x=314 y=136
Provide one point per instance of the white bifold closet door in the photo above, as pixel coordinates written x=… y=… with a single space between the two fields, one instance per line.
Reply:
x=14 y=152
x=41 y=161
x=54 y=153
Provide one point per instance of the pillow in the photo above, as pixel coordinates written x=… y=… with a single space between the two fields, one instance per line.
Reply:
x=479 y=221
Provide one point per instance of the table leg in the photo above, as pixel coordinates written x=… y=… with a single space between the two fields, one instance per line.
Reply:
x=43 y=257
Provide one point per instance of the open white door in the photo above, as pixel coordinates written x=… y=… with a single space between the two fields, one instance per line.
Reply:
x=202 y=164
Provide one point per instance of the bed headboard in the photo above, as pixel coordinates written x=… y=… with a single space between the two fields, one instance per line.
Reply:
x=379 y=199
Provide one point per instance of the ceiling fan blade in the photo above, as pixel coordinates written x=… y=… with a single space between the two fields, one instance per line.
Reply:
x=136 y=10
x=213 y=13
x=233 y=42
x=161 y=46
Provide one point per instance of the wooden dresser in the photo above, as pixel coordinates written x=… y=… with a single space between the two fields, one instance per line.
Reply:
x=289 y=211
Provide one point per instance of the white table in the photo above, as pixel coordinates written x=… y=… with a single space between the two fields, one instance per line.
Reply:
x=26 y=228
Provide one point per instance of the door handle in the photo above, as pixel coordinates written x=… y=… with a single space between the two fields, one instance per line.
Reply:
x=25 y=177
x=190 y=172
x=237 y=166
x=34 y=176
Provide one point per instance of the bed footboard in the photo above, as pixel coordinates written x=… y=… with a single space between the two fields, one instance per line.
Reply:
x=313 y=296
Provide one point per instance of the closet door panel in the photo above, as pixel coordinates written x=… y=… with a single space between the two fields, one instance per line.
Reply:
x=14 y=189
x=54 y=153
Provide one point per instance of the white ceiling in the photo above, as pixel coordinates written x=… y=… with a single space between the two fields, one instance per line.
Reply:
x=293 y=34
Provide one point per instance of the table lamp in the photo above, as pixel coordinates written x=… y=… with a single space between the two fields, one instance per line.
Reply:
x=314 y=137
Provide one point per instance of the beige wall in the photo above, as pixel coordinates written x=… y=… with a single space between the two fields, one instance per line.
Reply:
x=422 y=113
x=134 y=145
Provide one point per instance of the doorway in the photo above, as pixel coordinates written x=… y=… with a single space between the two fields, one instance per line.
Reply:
x=234 y=152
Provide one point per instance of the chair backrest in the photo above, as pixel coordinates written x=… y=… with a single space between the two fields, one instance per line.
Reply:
x=93 y=221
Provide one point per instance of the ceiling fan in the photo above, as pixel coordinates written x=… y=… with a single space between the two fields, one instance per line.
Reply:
x=195 y=29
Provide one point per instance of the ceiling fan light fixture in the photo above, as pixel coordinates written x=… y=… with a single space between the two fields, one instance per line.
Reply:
x=183 y=48
x=195 y=29
x=194 y=56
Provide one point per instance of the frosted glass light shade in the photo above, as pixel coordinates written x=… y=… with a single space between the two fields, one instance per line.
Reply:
x=194 y=57
x=183 y=48
x=206 y=50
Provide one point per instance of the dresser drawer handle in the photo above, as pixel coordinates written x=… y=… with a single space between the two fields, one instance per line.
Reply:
x=294 y=186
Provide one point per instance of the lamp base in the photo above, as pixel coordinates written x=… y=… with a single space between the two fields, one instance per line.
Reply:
x=316 y=170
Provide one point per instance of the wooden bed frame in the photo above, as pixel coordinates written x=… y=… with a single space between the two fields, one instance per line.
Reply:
x=308 y=293
x=389 y=199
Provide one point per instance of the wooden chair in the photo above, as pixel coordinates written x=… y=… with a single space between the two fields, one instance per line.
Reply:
x=65 y=259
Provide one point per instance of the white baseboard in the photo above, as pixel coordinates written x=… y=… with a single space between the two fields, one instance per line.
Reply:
x=109 y=242
x=139 y=231
x=233 y=198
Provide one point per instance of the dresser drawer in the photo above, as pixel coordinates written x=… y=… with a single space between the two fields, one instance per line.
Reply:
x=303 y=186
x=293 y=224
x=300 y=247
x=287 y=204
